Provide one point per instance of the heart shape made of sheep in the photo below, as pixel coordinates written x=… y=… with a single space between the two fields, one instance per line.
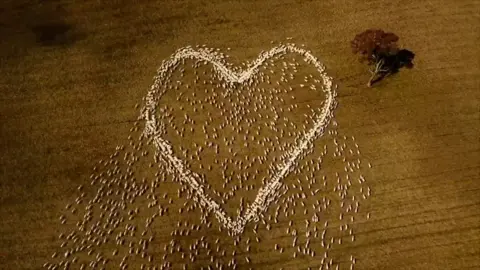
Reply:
x=268 y=191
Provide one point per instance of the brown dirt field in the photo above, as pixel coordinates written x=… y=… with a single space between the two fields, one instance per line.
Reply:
x=72 y=72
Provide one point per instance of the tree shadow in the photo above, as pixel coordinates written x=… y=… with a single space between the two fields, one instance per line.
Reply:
x=392 y=63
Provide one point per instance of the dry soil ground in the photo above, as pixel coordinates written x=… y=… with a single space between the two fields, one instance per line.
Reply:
x=71 y=73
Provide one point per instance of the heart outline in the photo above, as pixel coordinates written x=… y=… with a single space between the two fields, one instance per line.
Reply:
x=266 y=194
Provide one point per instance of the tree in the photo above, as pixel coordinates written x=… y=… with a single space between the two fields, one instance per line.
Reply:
x=380 y=50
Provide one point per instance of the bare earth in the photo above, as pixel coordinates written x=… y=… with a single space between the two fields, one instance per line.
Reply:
x=71 y=73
